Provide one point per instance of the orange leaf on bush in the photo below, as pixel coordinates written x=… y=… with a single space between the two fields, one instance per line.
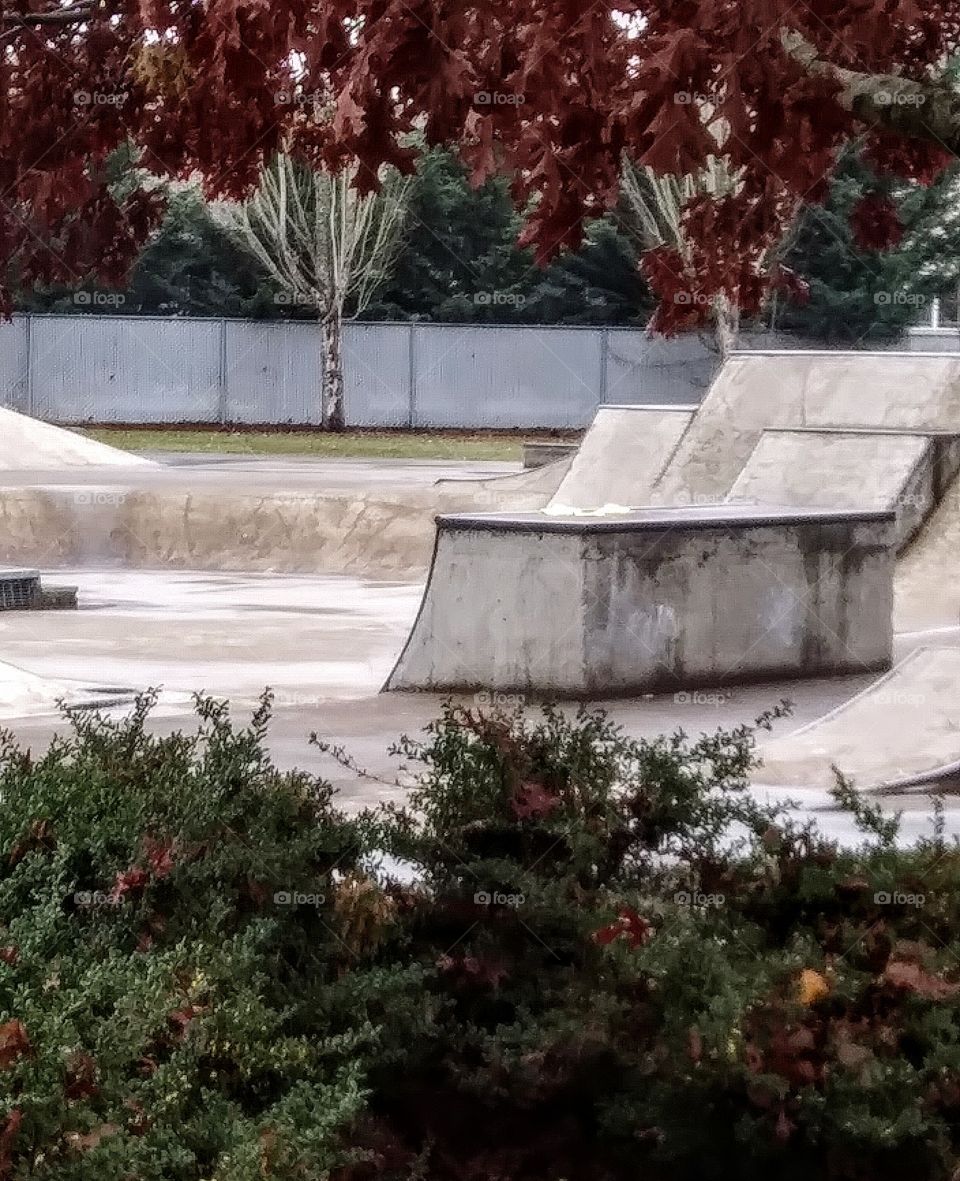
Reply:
x=14 y=1043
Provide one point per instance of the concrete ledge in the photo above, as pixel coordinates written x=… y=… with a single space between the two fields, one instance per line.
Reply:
x=659 y=599
x=668 y=519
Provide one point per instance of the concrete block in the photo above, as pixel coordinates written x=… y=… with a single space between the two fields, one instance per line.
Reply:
x=651 y=600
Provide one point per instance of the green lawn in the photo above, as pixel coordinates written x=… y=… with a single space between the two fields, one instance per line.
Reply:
x=350 y=444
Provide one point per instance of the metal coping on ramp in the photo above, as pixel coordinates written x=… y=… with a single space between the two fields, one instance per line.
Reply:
x=680 y=408
x=656 y=518
x=925 y=432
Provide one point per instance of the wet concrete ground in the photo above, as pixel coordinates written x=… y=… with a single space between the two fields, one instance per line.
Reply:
x=324 y=645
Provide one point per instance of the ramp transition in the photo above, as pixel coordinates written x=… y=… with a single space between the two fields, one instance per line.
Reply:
x=839 y=468
x=621 y=456
x=903 y=731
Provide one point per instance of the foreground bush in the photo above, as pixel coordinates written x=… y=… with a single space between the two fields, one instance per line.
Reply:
x=598 y=959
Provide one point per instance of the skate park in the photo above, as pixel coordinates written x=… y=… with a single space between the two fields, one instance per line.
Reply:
x=819 y=491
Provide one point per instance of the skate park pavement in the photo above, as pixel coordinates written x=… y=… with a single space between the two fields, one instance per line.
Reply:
x=325 y=645
x=225 y=574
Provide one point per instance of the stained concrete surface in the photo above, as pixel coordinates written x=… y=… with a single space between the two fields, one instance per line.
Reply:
x=581 y=606
x=362 y=517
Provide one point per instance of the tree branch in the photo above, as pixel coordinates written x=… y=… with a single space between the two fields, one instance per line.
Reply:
x=58 y=17
x=914 y=110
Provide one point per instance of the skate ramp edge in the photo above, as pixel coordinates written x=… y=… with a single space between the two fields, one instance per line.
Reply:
x=901 y=732
x=529 y=489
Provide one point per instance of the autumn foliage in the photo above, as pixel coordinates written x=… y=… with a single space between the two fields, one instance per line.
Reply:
x=552 y=91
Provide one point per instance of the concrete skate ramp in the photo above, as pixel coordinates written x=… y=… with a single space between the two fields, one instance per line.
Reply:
x=27 y=444
x=927 y=581
x=622 y=453
x=758 y=391
x=903 y=731
x=810 y=468
x=621 y=456
x=519 y=491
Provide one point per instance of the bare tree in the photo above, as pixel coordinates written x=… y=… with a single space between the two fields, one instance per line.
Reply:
x=657 y=203
x=326 y=246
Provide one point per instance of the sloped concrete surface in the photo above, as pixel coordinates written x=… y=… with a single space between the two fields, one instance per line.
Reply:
x=27 y=444
x=903 y=731
x=759 y=391
x=621 y=456
x=850 y=469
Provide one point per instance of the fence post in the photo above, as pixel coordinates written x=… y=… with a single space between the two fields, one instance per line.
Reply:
x=604 y=361
x=412 y=377
x=29 y=381
x=222 y=392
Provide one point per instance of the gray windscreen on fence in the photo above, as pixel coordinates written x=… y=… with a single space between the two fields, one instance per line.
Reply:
x=133 y=369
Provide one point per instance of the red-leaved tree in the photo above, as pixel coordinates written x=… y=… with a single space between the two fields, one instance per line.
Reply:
x=555 y=91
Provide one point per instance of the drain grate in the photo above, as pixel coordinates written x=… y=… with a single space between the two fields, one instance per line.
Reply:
x=19 y=590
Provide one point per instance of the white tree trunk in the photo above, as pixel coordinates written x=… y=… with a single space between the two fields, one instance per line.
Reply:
x=726 y=325
x=331 y=368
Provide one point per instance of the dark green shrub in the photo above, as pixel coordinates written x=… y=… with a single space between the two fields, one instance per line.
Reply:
x=603 y=959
